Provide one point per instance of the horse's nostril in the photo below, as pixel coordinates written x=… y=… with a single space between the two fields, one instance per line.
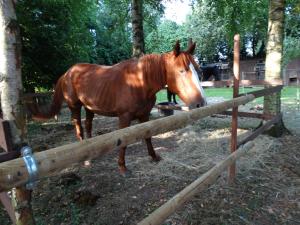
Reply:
x=198 y=105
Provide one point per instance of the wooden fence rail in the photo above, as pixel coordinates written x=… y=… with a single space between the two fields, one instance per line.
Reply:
x=163 y=212
x=260 y=130
x=13 y=173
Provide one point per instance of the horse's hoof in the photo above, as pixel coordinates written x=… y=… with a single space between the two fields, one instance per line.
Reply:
x=125 y=173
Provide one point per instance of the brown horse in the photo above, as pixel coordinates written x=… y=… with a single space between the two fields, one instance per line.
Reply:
x=126 y=90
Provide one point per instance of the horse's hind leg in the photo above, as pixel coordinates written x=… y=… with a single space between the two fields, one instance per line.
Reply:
x=151 y=152
x=124 y=121
x=76 y=117
x=88 y=122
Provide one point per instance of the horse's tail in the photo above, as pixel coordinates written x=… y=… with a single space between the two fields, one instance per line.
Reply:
x=55 y=107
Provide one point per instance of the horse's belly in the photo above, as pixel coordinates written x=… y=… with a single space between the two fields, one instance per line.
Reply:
x=100 y=108
x=137 y=108
x=102 y=113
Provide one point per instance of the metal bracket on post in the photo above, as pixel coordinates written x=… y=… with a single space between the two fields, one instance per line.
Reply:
x=31 y=166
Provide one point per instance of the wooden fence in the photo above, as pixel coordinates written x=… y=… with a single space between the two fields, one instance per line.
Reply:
x=14 y=173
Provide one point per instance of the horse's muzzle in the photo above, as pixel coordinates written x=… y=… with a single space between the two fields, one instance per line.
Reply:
x=198 y=105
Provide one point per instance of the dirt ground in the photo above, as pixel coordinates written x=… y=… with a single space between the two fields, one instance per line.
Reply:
x=266 y=191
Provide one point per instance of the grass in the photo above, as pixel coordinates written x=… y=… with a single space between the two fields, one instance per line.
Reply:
x=288 y=93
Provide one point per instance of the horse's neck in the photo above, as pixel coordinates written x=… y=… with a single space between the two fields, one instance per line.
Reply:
x=154 y=73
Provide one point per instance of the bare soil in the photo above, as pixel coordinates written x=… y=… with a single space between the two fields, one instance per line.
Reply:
x=266 y=191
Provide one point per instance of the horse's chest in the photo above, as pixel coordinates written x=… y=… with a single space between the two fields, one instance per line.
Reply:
x=145 y=106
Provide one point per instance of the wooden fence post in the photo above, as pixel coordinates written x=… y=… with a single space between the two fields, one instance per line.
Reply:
x=6 y=145
x=234 y=124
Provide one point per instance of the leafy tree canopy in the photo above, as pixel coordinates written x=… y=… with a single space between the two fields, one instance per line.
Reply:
x=164 y=37
x=55 y=35
x=59 y=33
x=291 y=48
x=213 y=24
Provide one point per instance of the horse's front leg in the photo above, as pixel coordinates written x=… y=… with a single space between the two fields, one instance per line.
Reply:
x=169 y=94
x=124 y=121
x=88 y=122
x=151 y=152
x=174 y=98
x=76 y=117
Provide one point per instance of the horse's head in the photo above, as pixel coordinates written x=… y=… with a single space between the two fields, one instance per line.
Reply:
x=182 y=76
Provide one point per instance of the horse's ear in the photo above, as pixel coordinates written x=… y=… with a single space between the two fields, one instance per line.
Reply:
x=191 y=48
x=176 y=49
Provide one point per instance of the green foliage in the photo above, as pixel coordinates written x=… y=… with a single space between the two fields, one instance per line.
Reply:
x=164 y=37
x=59 y=33
x=55 y=35
x=291 y=48
x=209 y=35
x=215 y=23
x=111 y=32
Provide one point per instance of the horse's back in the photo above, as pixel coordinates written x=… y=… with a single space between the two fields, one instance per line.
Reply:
x=85 y=69
x=102 y=89
x=107 y=90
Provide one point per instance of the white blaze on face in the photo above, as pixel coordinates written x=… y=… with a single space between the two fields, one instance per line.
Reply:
x=197 y=82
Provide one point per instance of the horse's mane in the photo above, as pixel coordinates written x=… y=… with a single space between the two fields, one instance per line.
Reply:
x=153 y=67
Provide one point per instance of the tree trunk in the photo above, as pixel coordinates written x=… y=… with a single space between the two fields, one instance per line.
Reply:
x=137 y=28
x=272 y=103
x=11 y=90
x=254 y=43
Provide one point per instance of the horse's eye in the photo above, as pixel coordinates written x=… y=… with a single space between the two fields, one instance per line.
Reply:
x=182 y=71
